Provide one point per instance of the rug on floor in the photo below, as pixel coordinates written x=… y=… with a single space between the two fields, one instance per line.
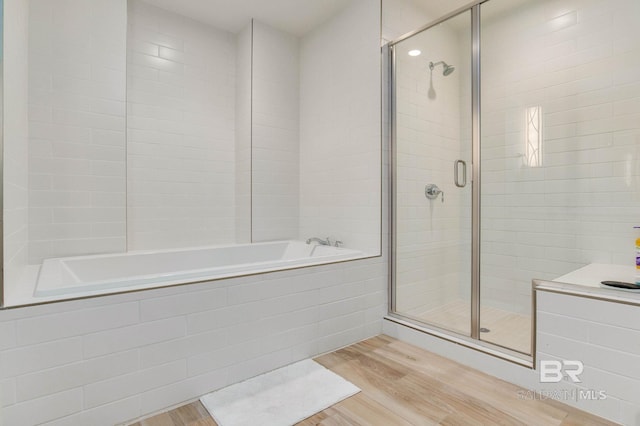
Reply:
x=281 y=397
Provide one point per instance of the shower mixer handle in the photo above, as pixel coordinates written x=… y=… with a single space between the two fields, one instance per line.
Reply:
x=431 y=191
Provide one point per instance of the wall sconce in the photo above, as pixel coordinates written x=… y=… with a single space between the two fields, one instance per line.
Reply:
x=533 y=137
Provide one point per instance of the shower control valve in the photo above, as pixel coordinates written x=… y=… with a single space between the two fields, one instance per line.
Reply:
x=431 y=191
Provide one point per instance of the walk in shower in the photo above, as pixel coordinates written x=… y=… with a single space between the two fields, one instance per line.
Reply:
x=514 y=156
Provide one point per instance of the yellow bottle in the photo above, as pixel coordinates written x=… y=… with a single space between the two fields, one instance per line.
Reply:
x=637 y=228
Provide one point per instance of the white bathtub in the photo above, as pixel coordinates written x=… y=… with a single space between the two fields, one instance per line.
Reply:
x=112 y=273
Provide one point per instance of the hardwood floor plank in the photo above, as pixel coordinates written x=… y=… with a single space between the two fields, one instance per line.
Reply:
x=164 y=419
x=362 y=410
x=506 y=395
x=203 y=422
x=405 y=385
x=386 y=391
x=188 y=414
x=576 y=417
x=331 y=360
x=336 y=420
x=495 y=391
x=316 y=419
x=580 y=419
x=419 y=360
x=457 y=401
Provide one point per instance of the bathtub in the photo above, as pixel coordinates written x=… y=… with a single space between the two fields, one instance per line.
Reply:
x=111 y=273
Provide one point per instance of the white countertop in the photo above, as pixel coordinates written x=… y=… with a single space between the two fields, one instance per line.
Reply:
x=586 y=282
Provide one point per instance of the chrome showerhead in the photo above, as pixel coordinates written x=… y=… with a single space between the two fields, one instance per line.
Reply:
x=446 y=68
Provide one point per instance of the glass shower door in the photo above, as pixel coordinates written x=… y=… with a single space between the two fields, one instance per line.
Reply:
x=432 y=175
x=512 y=186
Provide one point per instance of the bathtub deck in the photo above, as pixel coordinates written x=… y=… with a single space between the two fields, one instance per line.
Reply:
x=404 y=385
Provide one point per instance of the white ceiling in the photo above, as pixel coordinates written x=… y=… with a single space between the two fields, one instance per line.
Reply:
x=435 y=9
x=293 y=16
x=438 y=8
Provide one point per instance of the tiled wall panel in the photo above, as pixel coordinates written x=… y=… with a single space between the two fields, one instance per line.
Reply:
x=15 y=87
x=181 y=156
x=77 y=134
x=600 y=335
x=574 y=59
x=275 y=130
x=243 y=135
x=340 y=129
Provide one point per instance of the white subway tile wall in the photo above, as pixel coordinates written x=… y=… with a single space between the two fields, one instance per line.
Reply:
x=77 y=134
x=181 y=156
x=600 y=335
x=577 y=60
x=243 y=135
x=275 y=128
x=111 y=359
x=340 y=127
x=15 y=140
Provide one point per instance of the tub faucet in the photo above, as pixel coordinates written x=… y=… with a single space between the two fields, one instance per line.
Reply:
x=319 y=241
x=327 y=242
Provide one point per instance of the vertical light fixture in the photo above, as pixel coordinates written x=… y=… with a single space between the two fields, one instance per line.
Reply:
x=533 y=136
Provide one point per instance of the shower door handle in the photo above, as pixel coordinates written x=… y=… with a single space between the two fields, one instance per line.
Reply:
x=456 y=173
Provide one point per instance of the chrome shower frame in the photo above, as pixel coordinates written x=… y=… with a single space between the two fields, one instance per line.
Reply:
x=473 y=340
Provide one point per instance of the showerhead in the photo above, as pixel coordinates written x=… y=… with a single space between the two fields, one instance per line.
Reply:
x=446 y=68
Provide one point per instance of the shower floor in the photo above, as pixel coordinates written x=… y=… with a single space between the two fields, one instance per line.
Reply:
x=508 y=329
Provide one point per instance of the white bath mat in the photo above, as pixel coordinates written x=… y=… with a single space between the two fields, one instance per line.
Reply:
x=281 y=397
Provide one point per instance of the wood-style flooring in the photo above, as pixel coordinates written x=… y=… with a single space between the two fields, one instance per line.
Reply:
x=404 y=385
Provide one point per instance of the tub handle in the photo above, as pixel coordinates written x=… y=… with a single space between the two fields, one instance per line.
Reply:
x=333 y=242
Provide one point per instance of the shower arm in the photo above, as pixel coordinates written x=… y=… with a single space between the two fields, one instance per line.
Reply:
x=446 y=68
